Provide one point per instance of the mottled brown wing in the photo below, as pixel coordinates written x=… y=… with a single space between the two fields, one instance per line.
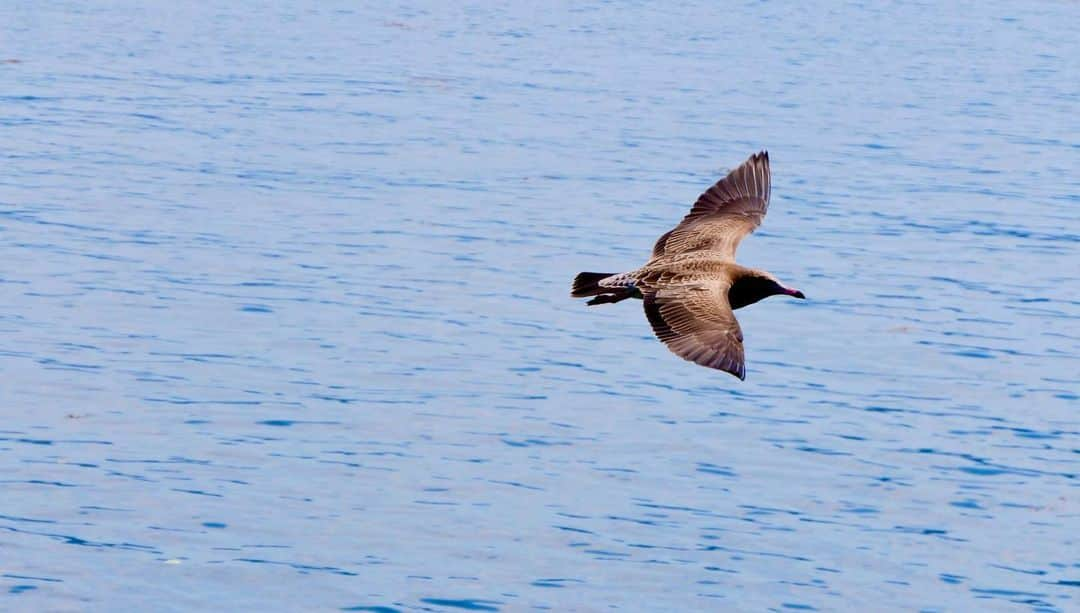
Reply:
x=725 y=213
x=697 y=324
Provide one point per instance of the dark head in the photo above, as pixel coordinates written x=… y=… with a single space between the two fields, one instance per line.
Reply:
x=751 y=288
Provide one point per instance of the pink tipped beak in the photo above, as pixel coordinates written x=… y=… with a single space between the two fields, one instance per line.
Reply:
x=794 y=293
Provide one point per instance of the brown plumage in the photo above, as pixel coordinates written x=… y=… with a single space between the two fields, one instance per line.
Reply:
x=692 y=284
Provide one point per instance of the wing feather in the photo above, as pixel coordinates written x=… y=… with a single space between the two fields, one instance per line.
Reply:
x=724 y=213
x=697 y=324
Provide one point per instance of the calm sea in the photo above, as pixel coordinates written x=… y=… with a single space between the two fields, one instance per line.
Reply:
x=284 y=313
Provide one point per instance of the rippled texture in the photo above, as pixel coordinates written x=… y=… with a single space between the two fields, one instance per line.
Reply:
x=285 y=319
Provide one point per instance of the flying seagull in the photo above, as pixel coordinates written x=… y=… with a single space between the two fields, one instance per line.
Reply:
x=692 y=284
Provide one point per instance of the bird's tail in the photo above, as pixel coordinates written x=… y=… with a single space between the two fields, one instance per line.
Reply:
x=588 y=284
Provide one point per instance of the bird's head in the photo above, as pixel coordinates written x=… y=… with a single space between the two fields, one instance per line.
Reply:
x=757 y=285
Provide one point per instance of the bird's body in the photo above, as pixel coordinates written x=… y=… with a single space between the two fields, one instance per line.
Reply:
x=692 y=284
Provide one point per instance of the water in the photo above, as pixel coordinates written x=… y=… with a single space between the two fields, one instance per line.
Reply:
x=285 y=319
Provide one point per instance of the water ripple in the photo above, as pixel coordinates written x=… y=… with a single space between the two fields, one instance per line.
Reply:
x=285 y=302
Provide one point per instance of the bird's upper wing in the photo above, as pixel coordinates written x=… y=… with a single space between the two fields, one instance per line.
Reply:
x=695 y=321
x=725 y=213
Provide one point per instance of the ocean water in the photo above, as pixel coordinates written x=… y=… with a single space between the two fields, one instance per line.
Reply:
x=284 y=321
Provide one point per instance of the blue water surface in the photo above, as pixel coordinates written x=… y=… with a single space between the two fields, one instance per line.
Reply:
x=284 y=321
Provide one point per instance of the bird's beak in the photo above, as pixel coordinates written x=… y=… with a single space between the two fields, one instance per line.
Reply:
x=794 y=293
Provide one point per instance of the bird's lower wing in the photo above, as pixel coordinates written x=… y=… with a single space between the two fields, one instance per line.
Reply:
x=697 y=324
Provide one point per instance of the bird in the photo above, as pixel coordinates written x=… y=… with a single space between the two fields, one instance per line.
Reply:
x=692 y=285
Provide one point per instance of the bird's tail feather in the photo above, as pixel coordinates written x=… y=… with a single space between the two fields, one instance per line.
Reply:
x=588 y=284
x=617 y=295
